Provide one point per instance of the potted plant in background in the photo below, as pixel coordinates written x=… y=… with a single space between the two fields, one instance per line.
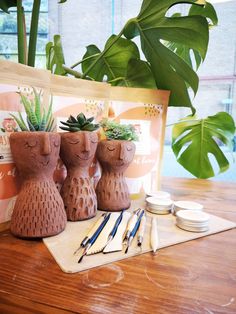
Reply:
x=39 y=209
x=114 y=154
x=78 y=147
x=174 y=46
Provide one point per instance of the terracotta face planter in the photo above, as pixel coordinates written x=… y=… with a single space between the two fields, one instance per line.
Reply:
x=39 y=209
x=112 y=190
x=77 y=152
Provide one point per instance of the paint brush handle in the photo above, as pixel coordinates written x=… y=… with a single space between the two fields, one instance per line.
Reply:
x=132 y=222
x=154 y=235
x=99 y=230
x=141 y=230
x=117 y=223
x=92 y=230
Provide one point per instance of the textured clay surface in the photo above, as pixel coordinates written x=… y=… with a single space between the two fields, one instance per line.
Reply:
x=39 y=210
x=77 y=153
x=112 y=190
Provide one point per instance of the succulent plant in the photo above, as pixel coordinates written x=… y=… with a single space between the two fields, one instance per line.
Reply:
x=80 y=123
x=116 y=131
x=37 y=118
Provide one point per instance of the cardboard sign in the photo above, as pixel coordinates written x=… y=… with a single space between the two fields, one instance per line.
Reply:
x=143 y=108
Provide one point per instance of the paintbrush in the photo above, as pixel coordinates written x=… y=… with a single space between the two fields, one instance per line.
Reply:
x=94 y=237
x=141 y=230
x=154 y=235
x=91 y=232
x=132 y=223
x=134 y=231
x=114 y=230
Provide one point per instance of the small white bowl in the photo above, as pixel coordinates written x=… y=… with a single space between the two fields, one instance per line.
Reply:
x=159 y=202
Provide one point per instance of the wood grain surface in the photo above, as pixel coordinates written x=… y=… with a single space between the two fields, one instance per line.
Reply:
x=194 y=277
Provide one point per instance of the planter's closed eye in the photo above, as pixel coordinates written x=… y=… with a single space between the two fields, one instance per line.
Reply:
x=93 y=138
x=31 y=143
x=75 y=141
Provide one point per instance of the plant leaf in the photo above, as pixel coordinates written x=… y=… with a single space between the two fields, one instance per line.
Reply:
x=184 y=51
x=193 y=140
x=112 y=62
x=6 y=4
x=138 y=74
x=169 y=70
x=55 y=56
x=207 y=10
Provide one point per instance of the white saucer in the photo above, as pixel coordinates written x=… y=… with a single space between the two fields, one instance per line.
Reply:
x=158 y=194
x=192 y=220
x=186 y=205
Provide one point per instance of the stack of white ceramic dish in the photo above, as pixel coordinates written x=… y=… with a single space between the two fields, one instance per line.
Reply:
x=158 y=194
x=192 y=220
x=186 y=205
x=159 y=206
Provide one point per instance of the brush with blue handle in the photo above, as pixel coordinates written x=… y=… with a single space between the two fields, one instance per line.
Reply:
x=94 y=237
x=134 y=231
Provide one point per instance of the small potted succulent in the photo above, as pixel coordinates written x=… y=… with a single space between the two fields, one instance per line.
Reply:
x=78 y=147
x=114 y=154
x=39 y=209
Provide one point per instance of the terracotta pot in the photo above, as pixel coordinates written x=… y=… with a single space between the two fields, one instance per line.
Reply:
x=77 y=153
x=39 y=209
x=112 y=190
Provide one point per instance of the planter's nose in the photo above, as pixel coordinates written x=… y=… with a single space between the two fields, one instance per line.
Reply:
x=46 y=147
x=122 y=151
x=86 y=143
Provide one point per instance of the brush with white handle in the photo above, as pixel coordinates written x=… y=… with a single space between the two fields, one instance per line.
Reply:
x=132 y=223
x=154 y=235
x=141 y=231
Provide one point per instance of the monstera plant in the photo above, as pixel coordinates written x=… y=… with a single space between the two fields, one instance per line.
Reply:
x=174 y=46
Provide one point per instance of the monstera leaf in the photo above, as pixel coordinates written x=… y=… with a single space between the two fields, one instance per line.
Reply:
x=153 y=26
x=138 y=74
x=193 y=141
x=55 y=57
x=6 y=4
x=185 y=52
x=112 y=62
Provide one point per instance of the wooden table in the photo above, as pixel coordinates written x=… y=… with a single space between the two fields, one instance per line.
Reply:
x=193 y=277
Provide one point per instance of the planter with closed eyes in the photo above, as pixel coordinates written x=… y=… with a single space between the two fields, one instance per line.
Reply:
x=78 y=147
x=77 y=153
x=39 y=210
x=114 y=157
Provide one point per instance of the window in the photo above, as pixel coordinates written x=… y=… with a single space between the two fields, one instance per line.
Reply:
x=8 y=32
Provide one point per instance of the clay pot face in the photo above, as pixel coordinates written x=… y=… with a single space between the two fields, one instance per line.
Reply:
x=78 y=148
x=116 y=155
x=112 y=190
x=39 y=209
x=77 y=153
x=35 y=152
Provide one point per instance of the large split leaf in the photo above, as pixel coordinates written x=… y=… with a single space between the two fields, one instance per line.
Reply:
x=138 y=74
x=153 y=26
x=112 y=62
x=55 y=57
x=6 y=4
x=193 y=141
x=184 y=51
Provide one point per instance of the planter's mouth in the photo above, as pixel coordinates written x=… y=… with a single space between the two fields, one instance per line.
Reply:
x=44 y=163
x=86 y=157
